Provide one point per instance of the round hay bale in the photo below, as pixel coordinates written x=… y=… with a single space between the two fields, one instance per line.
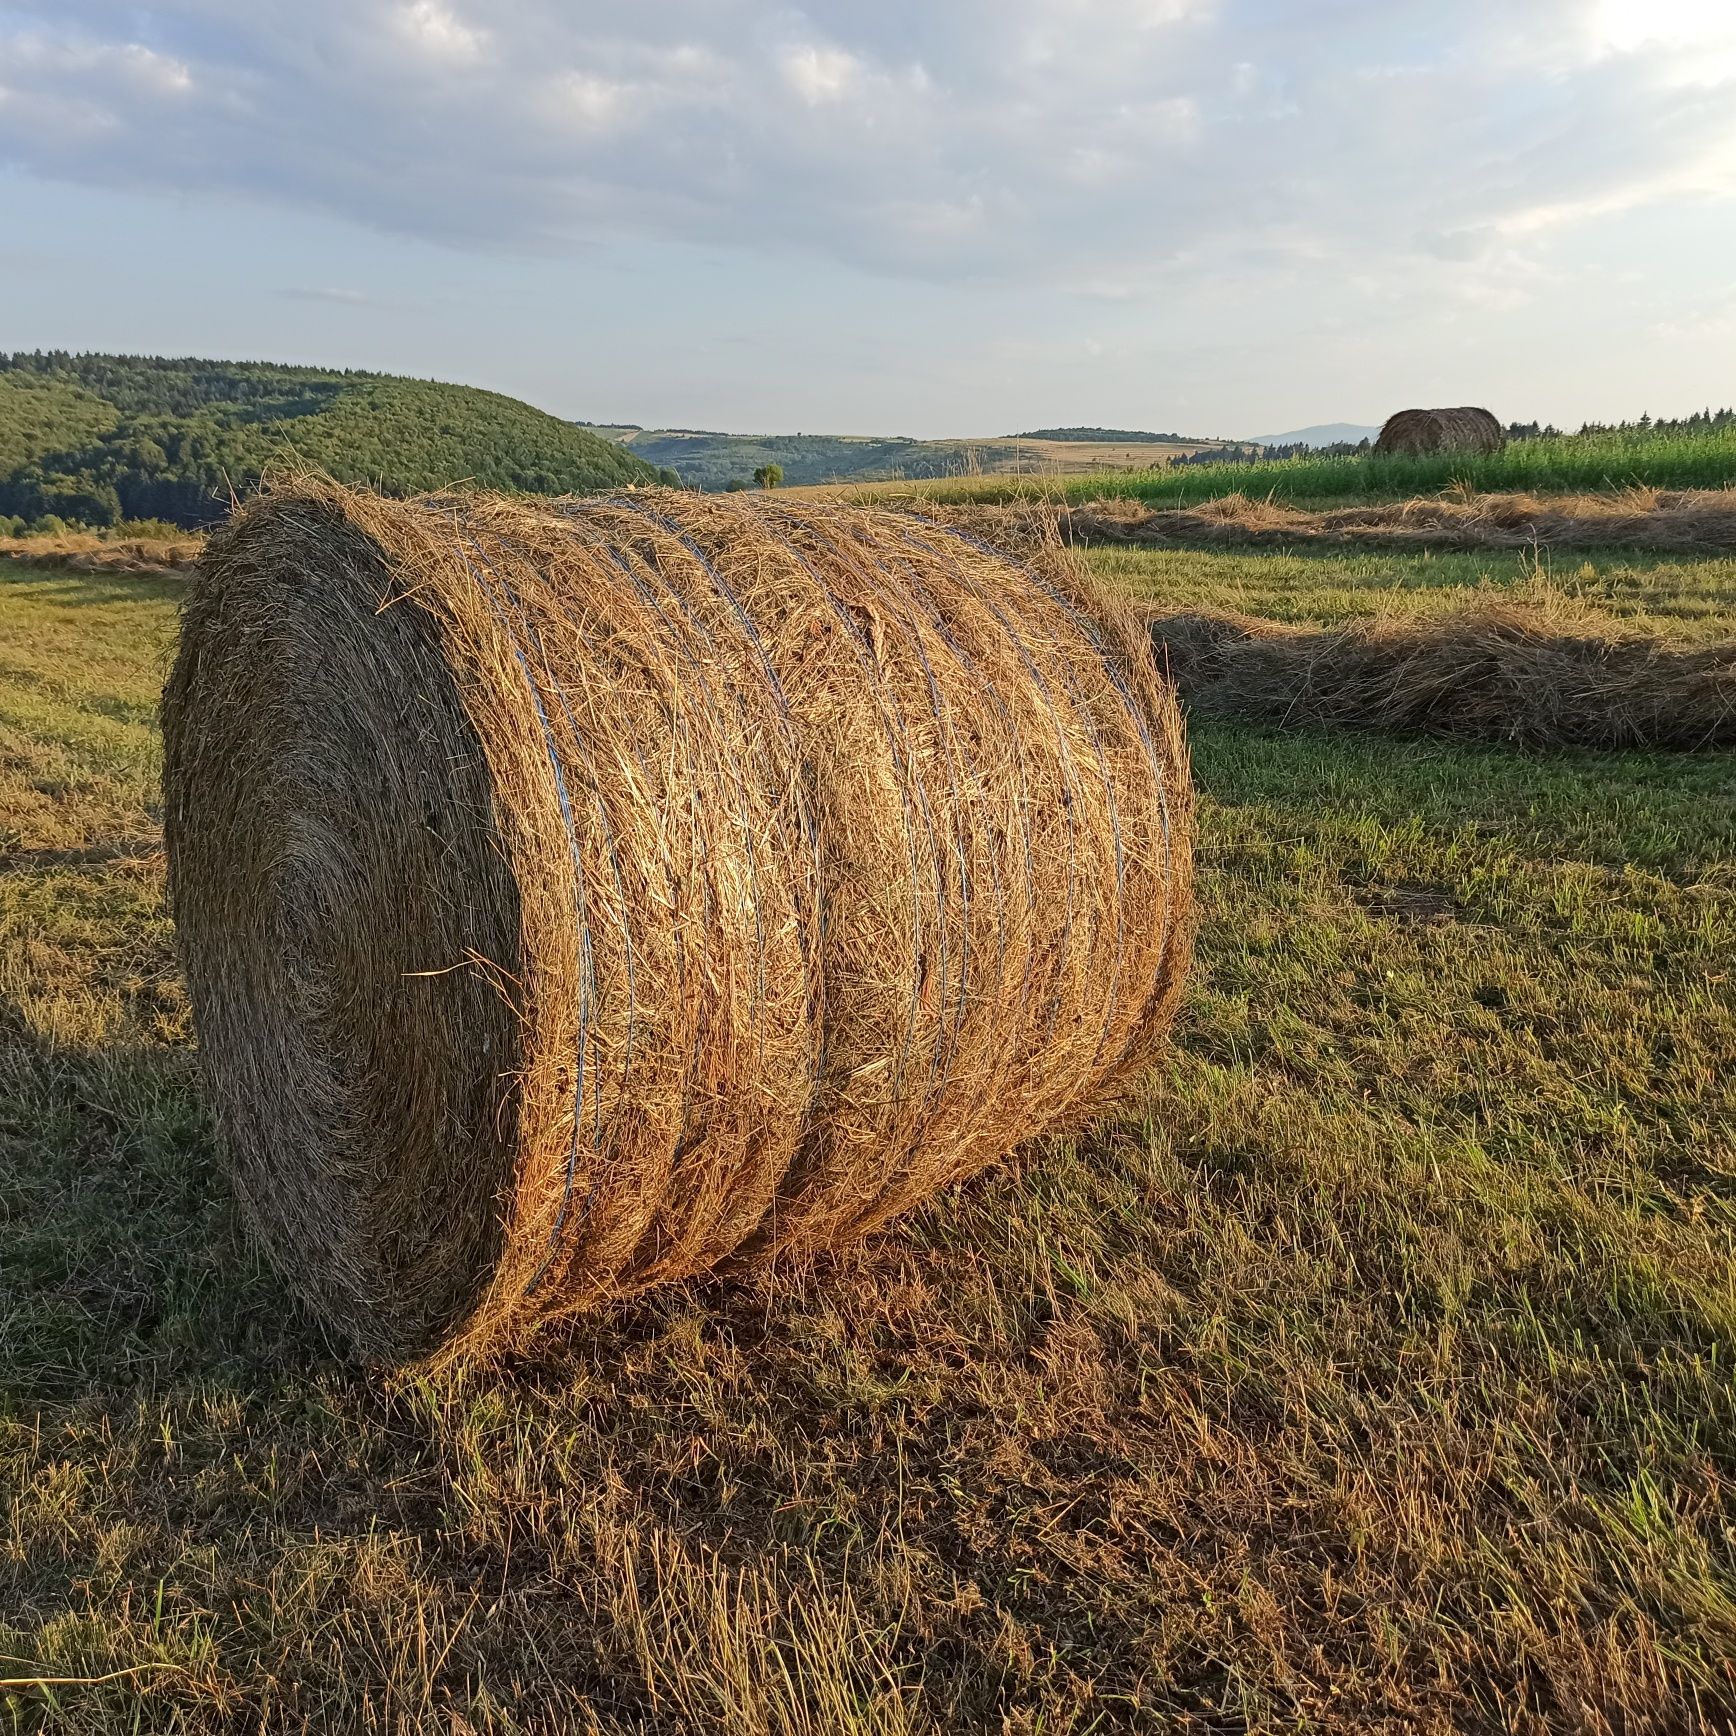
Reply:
x=576 y=897
x=1465 y=429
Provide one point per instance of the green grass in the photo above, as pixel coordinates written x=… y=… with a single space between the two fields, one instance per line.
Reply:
x=1676 y=598
x=1377 y=1373
x=1569 y=463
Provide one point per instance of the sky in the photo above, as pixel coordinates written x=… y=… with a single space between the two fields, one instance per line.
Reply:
x=927 y=217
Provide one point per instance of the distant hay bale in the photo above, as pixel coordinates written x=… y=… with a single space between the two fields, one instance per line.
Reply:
x=1492 y=672
x=1466 y=429
x=576 y=897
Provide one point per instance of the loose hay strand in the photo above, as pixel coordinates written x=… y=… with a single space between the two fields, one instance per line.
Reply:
x=576 y=897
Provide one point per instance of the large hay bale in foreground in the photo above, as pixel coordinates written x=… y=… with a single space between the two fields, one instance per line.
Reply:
x=577 y=897
x=1465 y=429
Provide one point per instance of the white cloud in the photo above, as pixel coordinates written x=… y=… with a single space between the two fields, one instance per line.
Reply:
x=1687 y=42
x=591 y=102
x=439 y=31
x=156 y=71
x=86 y=66
x=1129 y=146
x=818 y=74
x=1627 y=25
x=1711 y=174
x=336 y=297
x=1711 y=323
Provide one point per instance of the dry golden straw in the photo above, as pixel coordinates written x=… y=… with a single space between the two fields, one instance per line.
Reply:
x=1492 y=671
x=580 y=896
x=1695 y=522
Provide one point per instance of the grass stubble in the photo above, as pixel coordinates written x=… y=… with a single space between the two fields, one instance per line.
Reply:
x=1376 y=1374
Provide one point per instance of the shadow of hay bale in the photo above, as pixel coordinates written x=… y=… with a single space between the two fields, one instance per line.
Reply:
x=1494 y=672
x=576 y=897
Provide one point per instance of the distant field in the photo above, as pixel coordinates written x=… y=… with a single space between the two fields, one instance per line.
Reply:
x=1569 y=463
x=706 y=460
x=1372 y=1375
x=1074 y=457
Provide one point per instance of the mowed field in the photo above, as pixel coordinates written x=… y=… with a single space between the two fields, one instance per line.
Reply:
x=1376 y=1373
x=1015 y=457
x=1681 y=601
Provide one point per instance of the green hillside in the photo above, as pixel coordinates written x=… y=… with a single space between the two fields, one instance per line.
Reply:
x=712 y=461
x=95 y=439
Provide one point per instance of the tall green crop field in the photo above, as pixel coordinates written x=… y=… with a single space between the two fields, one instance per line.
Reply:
x=1554 y=464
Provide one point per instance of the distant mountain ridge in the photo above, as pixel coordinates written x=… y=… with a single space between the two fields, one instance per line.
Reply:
x=1321 y=434
x=94 y=439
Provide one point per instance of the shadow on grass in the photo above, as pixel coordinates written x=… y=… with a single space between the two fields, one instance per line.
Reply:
x=1675 y=813
x=124 y=1262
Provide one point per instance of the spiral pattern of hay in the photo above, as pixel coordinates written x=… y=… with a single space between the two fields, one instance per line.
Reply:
x=1465 y=429
x=576 y=897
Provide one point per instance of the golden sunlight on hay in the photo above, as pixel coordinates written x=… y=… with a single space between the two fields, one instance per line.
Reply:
x=576 y=897
x=1490 y=670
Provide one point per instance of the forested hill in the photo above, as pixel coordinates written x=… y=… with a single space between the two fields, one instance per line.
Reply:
x=93 y=439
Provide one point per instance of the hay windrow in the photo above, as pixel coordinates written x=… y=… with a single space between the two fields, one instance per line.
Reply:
x=78 y=552
x=578 y=897
x=1660 y=521
x=1490 y=672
